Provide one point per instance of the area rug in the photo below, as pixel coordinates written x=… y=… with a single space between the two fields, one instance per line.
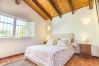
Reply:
x=21 y=62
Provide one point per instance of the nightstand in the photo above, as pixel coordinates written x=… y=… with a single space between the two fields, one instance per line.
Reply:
x=85 y=50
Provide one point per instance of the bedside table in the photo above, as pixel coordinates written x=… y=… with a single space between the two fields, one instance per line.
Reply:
x=85 y=50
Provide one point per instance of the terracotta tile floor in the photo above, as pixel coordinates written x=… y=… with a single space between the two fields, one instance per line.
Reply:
x=11 y=59
x=76 y=60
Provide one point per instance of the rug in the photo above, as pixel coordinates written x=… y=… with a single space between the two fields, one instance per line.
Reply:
x=21 y=62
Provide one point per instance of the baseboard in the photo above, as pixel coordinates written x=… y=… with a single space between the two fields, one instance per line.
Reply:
x=11 y=56
x=95 y=56
x=92 y=56
x=76 y=54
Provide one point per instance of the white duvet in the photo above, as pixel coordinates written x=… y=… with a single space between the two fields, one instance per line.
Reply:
x=49 y=55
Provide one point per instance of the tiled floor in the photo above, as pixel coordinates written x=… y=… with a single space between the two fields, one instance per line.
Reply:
x=76 y=60
x=10 y=59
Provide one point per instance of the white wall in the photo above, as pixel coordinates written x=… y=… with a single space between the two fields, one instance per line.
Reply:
x=12 y=46
x=83 y=22
x=9 y=46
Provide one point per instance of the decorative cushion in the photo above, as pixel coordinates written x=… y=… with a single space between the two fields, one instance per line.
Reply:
x=50 y=42
x=61 y=43
x=67 y=41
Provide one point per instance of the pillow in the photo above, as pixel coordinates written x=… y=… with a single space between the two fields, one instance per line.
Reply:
x=68 y=41
x=61 y=43
x=50 y=42
x=73 y=44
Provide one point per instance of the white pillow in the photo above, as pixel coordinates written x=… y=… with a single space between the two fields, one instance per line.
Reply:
x=68 y=41
x=50 y=42
x=61 y=43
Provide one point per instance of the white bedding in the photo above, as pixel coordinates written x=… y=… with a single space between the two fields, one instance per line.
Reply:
x=49 y=55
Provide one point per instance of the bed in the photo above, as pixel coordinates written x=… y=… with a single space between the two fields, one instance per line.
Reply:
x=49 y=55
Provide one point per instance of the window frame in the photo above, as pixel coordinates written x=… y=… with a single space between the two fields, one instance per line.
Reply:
x=14 y=26
x=20 y=26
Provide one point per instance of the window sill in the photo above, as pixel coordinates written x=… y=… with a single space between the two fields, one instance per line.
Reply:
x=14 y=37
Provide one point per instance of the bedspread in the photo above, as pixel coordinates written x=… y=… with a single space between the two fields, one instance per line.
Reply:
x=50 y=55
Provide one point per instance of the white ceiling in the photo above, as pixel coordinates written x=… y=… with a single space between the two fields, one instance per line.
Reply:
x=22 y=10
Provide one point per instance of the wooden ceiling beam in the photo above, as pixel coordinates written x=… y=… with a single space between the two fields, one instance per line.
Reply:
x=34 y=9
x=71 y=5
x=41 y=7
x=90 y=4
x=55 y=7
x=17 y=2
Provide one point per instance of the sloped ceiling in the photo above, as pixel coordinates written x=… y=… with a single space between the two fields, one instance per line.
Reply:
x=49 y=9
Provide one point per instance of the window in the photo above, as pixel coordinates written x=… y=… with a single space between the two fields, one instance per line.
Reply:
x=6 y=26
x=21 y=28
x=12 y=27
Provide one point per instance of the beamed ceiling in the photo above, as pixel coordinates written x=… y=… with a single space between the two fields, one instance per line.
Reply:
x=49 y=9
